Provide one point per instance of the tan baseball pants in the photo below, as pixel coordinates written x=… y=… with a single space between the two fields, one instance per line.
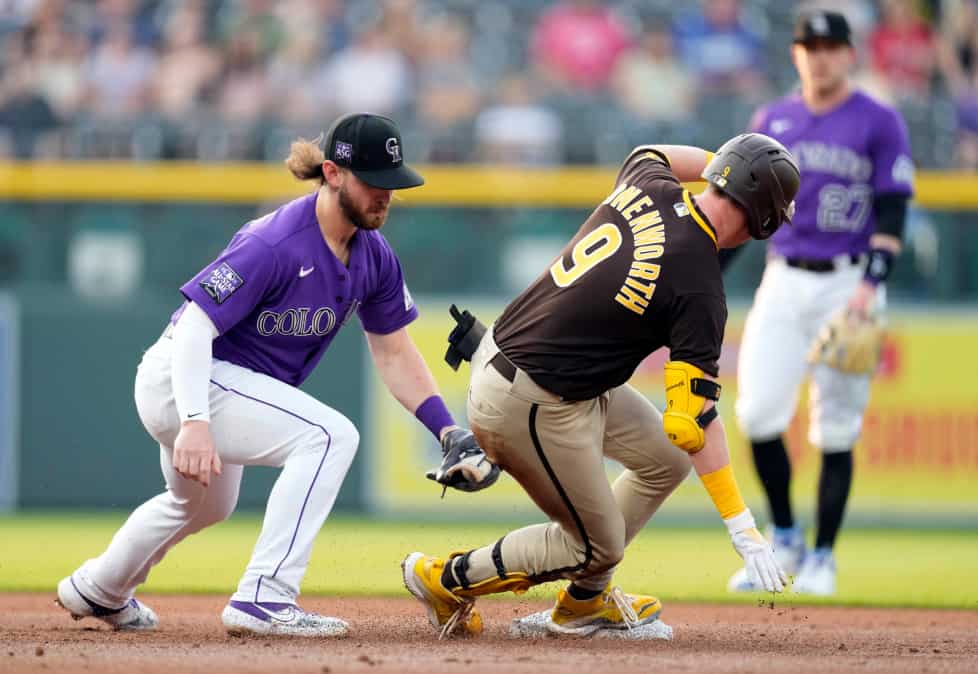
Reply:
x=555 y=450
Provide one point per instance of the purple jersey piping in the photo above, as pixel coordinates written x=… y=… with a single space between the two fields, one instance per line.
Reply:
x=305 y=501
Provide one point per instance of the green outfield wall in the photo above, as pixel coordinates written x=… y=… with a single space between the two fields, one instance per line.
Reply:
x=80 y=440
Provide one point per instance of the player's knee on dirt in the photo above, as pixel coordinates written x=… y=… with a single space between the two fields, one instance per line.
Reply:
x=687 y=391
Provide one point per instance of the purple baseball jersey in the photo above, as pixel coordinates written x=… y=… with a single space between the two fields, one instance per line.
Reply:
x=847 y=157
x=278 y=295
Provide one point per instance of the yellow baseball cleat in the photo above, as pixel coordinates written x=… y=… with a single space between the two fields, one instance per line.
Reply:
x=612 y=609
x=447 y=612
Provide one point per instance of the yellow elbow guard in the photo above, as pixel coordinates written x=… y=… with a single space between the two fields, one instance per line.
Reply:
x=686 y=394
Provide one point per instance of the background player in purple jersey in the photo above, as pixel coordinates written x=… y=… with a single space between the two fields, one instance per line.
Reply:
x=827 y=269
x=218 y=390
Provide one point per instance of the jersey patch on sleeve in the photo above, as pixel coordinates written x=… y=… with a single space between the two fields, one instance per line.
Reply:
x=903 y=170
x=408 y=300
x=222 y=283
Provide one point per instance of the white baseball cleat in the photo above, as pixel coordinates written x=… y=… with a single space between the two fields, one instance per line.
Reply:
x=279 y=619
x=133 y=616
x=789 y=550
x=817 y=574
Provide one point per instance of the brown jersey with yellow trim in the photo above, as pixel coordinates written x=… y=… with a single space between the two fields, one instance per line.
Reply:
x=641 y=273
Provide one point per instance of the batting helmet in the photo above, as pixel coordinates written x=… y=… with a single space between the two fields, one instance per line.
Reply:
x=760 y=175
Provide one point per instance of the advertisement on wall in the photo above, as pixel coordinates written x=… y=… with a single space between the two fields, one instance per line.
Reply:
x=917 y=460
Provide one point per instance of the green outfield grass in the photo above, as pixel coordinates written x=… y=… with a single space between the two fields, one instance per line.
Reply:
x=360 y=557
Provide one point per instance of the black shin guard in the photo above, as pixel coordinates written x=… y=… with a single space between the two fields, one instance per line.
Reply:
x=774 y=469
x=582 y=594
x=833 y=493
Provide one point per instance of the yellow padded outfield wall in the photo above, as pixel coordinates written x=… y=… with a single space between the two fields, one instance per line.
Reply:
x=253 y=182
x=917 y=460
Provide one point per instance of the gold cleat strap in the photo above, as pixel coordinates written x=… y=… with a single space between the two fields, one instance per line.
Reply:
x=503 y=581
x=513 y=582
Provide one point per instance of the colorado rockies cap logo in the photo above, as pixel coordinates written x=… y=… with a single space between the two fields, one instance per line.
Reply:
x=820 y=24
x=393 y=149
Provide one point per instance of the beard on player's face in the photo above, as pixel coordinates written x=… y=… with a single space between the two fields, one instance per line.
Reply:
x=368 y=217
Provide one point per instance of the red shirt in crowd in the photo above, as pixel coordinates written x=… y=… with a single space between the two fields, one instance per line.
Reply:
x=904 y=55
x=579 y=43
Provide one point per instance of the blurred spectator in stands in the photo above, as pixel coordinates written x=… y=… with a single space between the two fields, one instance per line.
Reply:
x=108 y=15
x=722 y=48
x=371 y=74
x=58 y=56
x=650 y=84
x=448 y=90
x=958 y=61
x=516 y=128
x=188 y=66
x=16 y=14
x=966 y=105
x=576 y=43
x=292 y=76
x=25 y=115
x=322 y=18
x=119 y=75
x=903 y=51
x=401 y=23
x=957 y=47
x=257 y=18
x=243 y=95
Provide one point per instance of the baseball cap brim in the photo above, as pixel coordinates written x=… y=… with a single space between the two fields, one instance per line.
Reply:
x=398 y=178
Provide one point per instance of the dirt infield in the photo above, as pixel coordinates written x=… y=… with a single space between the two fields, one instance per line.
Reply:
x=391 y=635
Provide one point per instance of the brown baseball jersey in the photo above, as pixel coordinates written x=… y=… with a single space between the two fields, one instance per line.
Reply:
x=641 y=273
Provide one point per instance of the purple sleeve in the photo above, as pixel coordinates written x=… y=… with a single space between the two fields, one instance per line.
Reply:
x=390 y=306
x=890 y=151
x=229 y=288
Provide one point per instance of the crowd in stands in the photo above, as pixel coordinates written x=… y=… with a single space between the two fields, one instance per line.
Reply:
x=520 y=81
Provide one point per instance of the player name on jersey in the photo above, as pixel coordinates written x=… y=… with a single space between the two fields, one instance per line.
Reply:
x=648 y=241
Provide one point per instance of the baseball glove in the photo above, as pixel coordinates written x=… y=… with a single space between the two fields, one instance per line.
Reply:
x=464 y=465
x=850 y=342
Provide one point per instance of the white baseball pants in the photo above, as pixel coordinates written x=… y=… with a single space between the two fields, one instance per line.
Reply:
x=790 y=307
x=255 y=420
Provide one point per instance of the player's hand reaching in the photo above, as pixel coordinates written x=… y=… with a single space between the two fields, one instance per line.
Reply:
x=762 y=568
x=863 y=300
x=464 y=465
x=194 y=456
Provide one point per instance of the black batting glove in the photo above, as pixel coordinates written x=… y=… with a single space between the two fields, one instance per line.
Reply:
x=464 y=466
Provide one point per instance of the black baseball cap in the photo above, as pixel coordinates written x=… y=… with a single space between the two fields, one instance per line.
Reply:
x=370 y=146
x=822 y=25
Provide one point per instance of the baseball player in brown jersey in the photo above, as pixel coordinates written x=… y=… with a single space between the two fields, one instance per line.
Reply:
x=548 y=397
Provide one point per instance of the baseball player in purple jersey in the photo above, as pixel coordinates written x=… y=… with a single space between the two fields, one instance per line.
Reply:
x=824 y=278
x=218 y=390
